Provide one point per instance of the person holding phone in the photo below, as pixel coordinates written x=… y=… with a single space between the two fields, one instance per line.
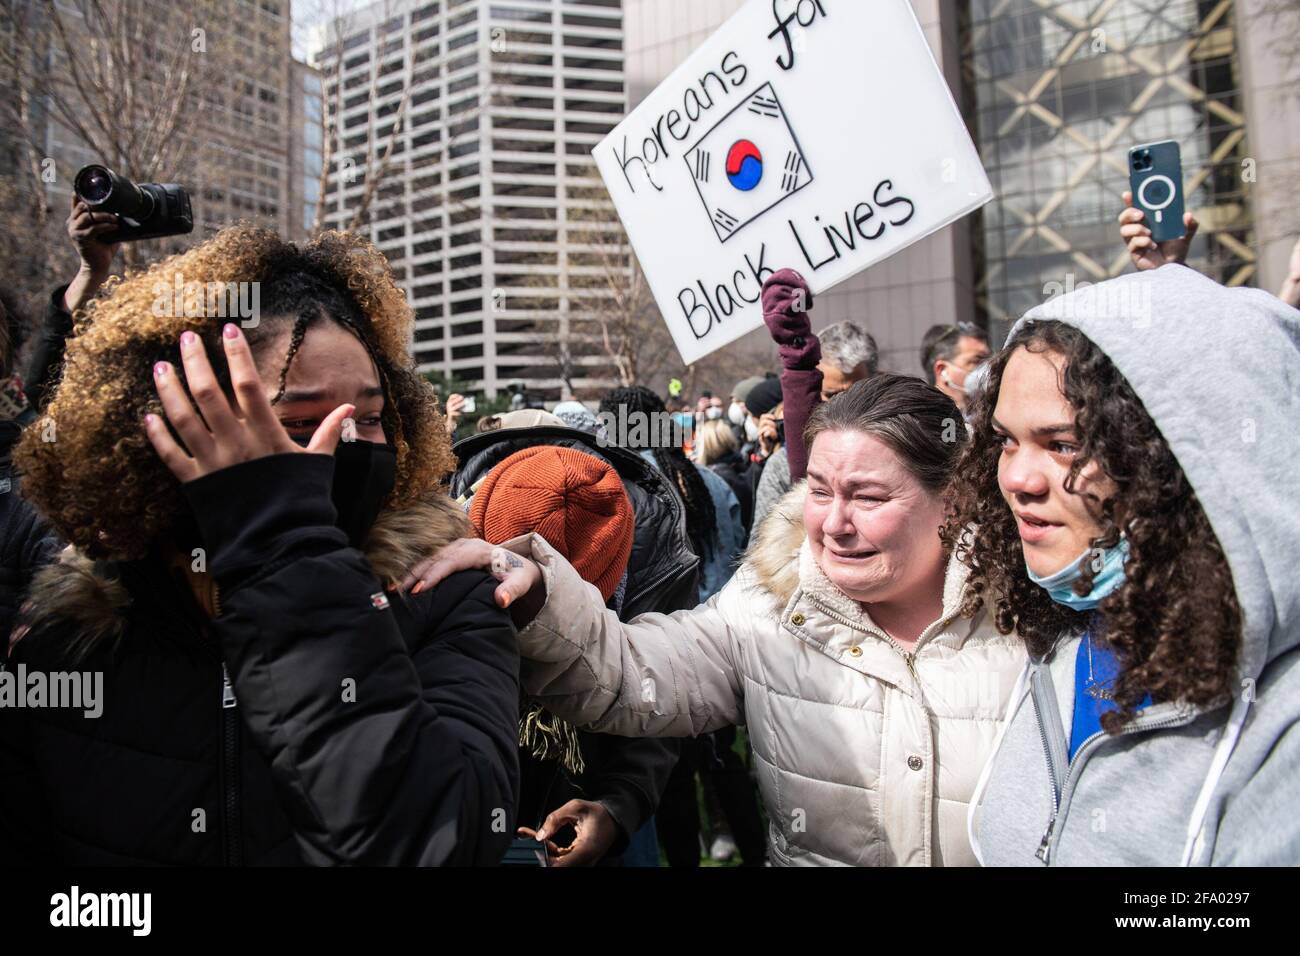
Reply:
x=1143 y=248
x=1147 y=253
x=1153 y=222
x=617 y=521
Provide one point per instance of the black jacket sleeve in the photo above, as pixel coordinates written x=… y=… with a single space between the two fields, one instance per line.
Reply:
x=43 y=364
x=387 y=748
x=628 y=778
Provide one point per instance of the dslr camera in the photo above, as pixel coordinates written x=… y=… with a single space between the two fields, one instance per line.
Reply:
x=146 y=210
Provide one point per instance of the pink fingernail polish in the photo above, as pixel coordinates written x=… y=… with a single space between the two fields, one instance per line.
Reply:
x=230 y=331
x=187 y=339
x=160 y=369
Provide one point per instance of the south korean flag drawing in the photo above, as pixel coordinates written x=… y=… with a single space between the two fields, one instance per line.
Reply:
x=747 y=163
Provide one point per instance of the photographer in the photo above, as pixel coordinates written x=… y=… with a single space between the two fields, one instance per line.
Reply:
x=85 y=229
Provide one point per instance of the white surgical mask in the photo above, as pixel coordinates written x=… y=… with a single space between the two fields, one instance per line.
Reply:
x=751 y=429
x=713 y=413
x=736 y=414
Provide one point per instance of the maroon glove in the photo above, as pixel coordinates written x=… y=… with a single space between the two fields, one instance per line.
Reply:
x=787 y=300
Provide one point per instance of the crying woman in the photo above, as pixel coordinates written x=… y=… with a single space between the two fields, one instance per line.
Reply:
x=240 y=499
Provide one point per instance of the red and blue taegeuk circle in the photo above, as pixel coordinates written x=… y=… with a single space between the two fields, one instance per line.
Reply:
x=744 y=165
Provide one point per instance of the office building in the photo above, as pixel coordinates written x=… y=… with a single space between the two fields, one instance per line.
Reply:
x=459 y=135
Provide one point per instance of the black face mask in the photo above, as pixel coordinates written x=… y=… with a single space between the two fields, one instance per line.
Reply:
x=364 y=476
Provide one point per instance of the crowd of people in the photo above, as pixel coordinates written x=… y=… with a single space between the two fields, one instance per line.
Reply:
x=1032 y=607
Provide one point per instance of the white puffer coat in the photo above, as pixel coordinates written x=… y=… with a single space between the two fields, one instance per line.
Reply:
x=866 y=755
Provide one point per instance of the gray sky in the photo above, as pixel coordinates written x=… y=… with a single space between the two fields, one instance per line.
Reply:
x=308 y=13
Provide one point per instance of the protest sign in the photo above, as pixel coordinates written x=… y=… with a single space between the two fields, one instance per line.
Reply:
x=818 y=135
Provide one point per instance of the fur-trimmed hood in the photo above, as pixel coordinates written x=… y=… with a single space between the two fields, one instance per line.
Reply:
x=773 y=552
x=88 y=598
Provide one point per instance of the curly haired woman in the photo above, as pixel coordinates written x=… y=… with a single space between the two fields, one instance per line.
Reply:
x=1141 y=538
x=266 y=698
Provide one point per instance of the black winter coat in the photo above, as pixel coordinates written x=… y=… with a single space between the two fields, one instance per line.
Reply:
x=360 y=726
x=624 y=774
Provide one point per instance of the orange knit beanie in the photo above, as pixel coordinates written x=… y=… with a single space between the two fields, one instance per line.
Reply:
x=573 y=500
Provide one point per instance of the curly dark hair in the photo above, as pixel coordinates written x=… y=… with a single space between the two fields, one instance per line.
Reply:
x=701 y=519
x=87 y=463
x=1175 y=624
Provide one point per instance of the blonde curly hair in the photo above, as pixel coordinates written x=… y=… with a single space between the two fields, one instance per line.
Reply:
x=87 y=463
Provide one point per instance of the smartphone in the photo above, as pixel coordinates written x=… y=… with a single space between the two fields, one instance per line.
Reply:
x=1155 y=175
x=470 y=405
x=524 y=851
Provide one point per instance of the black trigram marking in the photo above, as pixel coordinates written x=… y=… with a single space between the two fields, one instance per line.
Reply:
x=761 y=106
x=725 y=220
x=793 y=166
x=703 y=160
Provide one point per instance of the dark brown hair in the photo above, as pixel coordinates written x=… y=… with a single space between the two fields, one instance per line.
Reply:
x=1175 y=623
x=917 y=421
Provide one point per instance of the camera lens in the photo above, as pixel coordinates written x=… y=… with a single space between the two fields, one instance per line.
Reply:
x=102 y=188
x=94 y=184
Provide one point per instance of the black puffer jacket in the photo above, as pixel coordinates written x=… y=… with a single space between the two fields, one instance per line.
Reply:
x=624 y=774
x=365 y=726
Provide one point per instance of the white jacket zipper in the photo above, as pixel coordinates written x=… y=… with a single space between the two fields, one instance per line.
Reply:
x=227 y=689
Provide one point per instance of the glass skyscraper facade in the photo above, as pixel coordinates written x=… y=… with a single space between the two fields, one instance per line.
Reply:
x=1056 y=94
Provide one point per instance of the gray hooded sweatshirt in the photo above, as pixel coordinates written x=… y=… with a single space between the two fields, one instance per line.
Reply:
x=1219 y=371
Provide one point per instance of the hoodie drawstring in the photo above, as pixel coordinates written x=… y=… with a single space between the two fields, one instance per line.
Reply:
x=1222 y=753
x=1013 y=704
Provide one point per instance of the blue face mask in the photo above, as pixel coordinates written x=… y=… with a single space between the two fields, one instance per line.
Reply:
x=1105 y=582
